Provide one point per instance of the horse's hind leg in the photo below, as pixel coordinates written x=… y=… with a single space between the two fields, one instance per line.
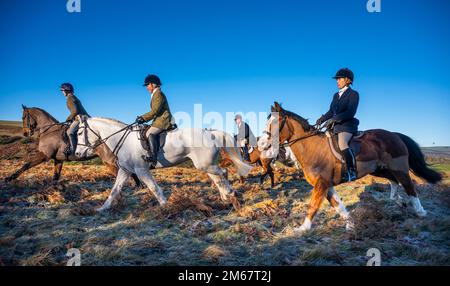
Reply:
x=38 y=159
x=57 y=170
x=405 y=180
x=393 y=182
x=122 y=177
x=146 y=177
x=338 y=205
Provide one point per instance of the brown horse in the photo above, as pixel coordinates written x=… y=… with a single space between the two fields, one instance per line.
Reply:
x=382 y=153
x=52 y=145
x=255 y=158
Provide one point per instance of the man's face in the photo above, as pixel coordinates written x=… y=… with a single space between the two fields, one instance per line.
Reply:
x=238 y=121
x=64 y=92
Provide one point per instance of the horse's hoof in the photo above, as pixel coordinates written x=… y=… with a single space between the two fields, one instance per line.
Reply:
x=305 y=227
x=101 y=209
x=350 y=226
x=422 y=213
x=299 y=231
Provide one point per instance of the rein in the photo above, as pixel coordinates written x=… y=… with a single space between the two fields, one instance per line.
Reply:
x=315 y=132
x=101 y=140
x=34 y=128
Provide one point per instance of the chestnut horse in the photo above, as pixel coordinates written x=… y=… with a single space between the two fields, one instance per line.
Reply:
x=382 y=153
x=51 y=144
x=255 y=158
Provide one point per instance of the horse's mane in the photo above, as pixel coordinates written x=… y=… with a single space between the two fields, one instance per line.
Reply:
x=110 y=120
x=302 y=121
x=44 y=112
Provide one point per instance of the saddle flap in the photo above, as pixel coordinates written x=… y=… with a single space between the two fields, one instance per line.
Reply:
x=161 y=138
x=354 y=144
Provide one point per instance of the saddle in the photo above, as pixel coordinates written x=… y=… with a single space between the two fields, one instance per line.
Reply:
x=354 y=144
x=161 y=137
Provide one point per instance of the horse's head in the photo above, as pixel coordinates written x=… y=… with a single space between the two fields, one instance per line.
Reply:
x=29 y=121
x=87 y=140
x=281 y=126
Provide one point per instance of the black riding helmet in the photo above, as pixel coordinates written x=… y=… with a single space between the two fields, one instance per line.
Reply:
x=343 y=73
x=151 y=78
x=67 y=87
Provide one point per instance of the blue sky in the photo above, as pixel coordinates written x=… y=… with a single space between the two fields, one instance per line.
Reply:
x=232 y=56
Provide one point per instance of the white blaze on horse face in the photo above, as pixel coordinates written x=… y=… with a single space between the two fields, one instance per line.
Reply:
x=265 y=141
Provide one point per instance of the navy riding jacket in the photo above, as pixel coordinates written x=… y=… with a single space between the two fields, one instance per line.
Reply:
x=343 y=110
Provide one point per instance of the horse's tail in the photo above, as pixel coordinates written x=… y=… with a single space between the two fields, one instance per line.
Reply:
x=417 y=162
x=227 y=144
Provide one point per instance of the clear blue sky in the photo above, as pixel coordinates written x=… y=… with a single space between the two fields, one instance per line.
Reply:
x=232 y=56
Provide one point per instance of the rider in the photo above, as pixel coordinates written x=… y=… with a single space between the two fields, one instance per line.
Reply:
x=76 y=110
x=160 y=113
x=342 y=116
x=245 y=137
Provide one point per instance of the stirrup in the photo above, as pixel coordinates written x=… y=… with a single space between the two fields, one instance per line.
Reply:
x=350 y=176
x=150 y=160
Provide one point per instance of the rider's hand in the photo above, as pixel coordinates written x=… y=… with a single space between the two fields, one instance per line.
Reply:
x=319 y=121
x=140 y=120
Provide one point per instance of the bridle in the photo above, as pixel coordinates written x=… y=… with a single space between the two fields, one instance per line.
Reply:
x=128 y=129
x=33 y=127
x=314 y=132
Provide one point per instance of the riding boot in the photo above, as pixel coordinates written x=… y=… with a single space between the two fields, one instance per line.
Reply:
x=73 y=140
x=246 y=154
x=152 y=152
x=350 y=162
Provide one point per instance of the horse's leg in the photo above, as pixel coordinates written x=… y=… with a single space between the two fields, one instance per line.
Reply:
x=122 y=177
x=395 y=196
x=272 y=176
x=338 y=205
x=319 y=192
x=146 y=177
x=38 y=159
x=57 y=170
x=404 y=179
x=221 y=183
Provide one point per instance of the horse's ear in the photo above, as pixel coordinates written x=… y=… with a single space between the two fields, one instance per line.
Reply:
x=24 y=107
x=277 y=107
x=272 y=109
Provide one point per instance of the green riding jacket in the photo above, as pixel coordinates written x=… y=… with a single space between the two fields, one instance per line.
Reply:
x=160 y=112
x=75 y=107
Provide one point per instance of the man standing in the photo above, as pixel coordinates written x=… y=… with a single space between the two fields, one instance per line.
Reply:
x=245 y=137
x=76 y=110
x=159 y=113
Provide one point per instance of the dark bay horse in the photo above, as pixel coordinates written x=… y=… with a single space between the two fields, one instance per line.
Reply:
x=383 y=154
x=51 y=144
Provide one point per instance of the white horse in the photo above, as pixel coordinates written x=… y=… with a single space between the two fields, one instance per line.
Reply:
x=201 y=146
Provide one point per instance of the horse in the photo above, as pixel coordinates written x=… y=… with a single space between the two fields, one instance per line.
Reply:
x=200 y=146
x=255 y=158
x=51 y=144
x=382 y=153
x=265 y=162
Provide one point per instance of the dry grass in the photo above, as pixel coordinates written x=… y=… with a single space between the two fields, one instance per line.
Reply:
x=38 y=223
